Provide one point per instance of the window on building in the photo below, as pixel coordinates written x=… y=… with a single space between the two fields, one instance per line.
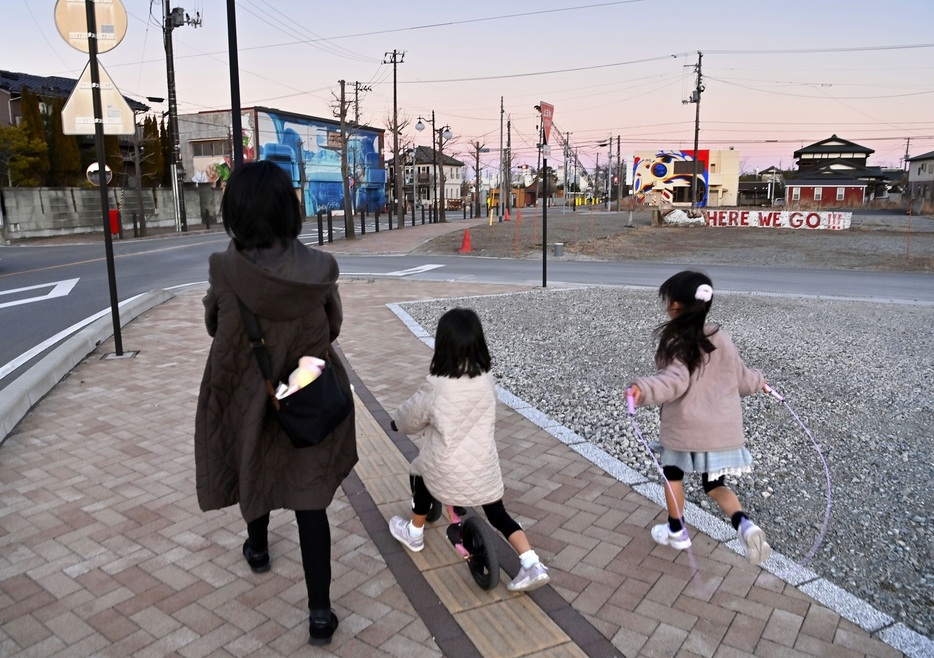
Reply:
x=687 y=167
x=795 y=193
x=214 y=148
x=817 y=193
x=841 y=193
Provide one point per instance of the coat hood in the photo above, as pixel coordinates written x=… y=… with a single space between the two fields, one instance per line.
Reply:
x=265 y=277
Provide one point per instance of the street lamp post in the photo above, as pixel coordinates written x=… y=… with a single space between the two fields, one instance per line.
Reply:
x=414 y=182
x=444 y=132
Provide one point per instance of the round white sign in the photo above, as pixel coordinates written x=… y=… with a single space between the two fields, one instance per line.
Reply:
x=71 y=19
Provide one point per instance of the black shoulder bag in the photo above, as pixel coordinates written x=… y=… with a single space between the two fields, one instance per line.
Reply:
x=311 y=413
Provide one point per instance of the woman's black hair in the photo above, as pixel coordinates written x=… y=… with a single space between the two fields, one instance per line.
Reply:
x=460 y=346
x=683 y=338
x=260 y=206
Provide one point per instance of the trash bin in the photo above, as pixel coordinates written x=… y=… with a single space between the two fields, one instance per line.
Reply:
x=559 y=248
x=114 y=221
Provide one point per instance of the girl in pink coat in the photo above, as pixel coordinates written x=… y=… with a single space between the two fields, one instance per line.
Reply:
x=457 y=461
x=699 y=382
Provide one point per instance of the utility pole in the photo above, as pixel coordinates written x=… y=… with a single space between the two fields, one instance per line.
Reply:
x=395 y=58
x=619 y=178
x=357 y=88
x=567 y=137
x=907 y=146
x=439 y=167
x=596 y=174
x=502 y=161
x=609 y=179
x=478 y=148
x=508 y=181
x=695 y=98
x=172 y=19
x=348 y=213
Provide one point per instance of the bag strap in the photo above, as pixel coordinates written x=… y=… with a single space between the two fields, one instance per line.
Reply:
x=255 y=336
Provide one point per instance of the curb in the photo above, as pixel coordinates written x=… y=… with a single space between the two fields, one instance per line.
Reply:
x=20 y=396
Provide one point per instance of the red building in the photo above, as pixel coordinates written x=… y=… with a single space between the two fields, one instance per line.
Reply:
x=834 y=173
x=824 y=193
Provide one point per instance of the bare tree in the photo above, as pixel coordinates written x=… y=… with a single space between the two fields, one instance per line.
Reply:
x=398 y=195
x=339 y=107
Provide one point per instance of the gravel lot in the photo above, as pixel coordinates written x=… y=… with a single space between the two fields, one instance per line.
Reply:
x=858 y=375
x=875 y=242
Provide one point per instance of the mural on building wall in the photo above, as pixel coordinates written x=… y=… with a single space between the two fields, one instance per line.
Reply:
x=665 y=178
x=310 y=151
x=215 y=169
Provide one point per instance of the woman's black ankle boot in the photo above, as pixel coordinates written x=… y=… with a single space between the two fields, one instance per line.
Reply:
x=258 y=560
x=321 y=626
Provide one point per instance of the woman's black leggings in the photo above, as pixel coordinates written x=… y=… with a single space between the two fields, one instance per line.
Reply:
x=496 y=512
x=314 y=537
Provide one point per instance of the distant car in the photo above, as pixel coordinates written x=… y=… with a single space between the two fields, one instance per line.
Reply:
x=778 y=202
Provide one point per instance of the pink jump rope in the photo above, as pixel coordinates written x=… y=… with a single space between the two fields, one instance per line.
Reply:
x=631 y=404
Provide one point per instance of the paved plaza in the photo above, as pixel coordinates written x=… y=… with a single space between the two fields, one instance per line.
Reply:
x=104 y=552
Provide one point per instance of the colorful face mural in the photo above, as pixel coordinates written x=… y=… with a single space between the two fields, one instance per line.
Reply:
x=666 y=177
x=310 y=151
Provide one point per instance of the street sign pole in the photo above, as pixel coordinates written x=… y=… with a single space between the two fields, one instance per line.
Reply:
x=548 y=112
x=104 y=32
x=102 y=160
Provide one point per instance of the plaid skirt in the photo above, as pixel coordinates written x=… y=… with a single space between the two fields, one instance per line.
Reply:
x=714 y=464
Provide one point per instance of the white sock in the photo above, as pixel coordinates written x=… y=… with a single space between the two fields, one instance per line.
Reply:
x=414 y=532
x=529 y=559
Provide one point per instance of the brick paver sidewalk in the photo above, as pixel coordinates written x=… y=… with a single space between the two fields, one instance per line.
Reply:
x=103 y=550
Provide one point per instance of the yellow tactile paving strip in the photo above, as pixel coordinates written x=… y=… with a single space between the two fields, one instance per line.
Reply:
x=495 y=627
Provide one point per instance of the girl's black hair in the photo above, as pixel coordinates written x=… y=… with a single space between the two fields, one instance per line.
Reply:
x=260 y=206
x=682 y=338
x=460 y=346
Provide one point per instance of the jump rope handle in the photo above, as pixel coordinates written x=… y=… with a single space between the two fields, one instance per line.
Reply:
x=775 y=394
x=631 y=402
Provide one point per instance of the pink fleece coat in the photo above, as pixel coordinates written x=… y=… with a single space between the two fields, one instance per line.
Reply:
x=701 y=412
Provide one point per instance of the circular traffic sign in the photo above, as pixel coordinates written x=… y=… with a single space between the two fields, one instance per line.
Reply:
x=72 y=22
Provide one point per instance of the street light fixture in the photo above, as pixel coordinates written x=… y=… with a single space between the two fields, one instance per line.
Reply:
x=444 y=132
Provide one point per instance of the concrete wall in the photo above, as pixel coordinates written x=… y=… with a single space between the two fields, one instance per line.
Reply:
x=41 y=212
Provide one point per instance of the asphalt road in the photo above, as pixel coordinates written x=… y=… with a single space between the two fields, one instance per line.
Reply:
x=48 y=292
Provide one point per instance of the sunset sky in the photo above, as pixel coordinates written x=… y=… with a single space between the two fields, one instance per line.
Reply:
x=777 y=76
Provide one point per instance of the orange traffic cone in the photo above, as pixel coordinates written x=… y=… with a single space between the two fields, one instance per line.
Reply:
x=465 y=244
x=506 y=216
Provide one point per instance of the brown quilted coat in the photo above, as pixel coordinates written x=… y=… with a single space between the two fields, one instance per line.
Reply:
x=241 y=454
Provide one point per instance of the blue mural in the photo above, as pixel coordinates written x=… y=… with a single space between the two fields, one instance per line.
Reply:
x=312 y=147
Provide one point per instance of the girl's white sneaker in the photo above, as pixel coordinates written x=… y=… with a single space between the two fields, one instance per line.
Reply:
x=677 y=540
x=752 y=538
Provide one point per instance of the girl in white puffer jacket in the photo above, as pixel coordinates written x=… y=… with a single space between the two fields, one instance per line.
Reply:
x=457 y=462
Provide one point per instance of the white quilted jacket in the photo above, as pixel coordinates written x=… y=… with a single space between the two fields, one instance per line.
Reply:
x=457 y=453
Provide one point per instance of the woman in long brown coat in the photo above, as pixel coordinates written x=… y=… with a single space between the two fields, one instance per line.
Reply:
x=242 y=456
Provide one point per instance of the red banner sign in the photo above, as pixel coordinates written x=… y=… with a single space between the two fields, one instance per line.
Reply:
x=548 y=112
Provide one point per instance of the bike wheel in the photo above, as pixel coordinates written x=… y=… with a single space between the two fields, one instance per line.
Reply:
x=483 y=560
x=434 y=513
